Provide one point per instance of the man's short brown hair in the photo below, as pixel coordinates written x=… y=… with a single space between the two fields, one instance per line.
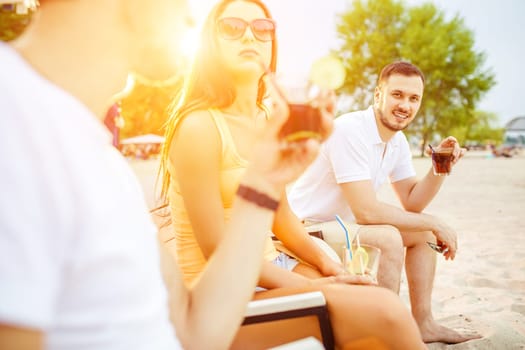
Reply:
x=400 y=67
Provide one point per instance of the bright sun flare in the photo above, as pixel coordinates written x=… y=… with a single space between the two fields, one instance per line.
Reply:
x=189 y=44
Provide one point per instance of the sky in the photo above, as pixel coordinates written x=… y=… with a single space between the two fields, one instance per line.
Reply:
x=306 y=32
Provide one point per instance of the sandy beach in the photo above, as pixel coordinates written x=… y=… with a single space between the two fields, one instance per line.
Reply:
x=483 y=289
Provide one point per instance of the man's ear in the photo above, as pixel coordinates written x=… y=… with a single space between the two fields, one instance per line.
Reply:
x=377 y=94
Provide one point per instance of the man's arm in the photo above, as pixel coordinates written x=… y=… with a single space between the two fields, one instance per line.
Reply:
x=368 y=210
x=416 y=195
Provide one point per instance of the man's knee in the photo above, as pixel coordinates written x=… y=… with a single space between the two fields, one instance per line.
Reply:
x=386 y=237
x=411 y=239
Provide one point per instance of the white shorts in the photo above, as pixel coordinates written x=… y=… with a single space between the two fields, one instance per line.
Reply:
x=284 y=261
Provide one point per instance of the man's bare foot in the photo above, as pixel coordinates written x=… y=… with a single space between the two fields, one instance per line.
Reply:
x=433 y=332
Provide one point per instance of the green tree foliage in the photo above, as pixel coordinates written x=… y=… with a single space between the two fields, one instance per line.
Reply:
x=144 y=105
x=13 y=24
x=377 y=32
x=482 y=131
x=144 y=108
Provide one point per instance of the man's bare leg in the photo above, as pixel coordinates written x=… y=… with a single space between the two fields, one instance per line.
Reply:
x=420 y=270
x=388 y=239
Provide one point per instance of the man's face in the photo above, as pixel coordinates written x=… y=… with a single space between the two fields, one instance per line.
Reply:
x=397 y=100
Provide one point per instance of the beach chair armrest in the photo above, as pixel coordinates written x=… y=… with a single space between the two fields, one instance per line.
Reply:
x=292 y=306
x=309 y=343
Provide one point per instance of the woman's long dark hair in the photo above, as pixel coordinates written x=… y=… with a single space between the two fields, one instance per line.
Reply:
x=206 y=86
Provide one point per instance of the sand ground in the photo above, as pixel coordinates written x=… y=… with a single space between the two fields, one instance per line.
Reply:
x=484 y=287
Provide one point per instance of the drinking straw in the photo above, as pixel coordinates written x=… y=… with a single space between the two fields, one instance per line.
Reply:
x=346 y=234
x=431 y=148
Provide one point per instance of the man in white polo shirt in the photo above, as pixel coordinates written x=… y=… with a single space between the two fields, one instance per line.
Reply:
x=366 y=149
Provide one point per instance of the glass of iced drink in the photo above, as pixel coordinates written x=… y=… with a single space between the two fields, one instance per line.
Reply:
x=363 y=260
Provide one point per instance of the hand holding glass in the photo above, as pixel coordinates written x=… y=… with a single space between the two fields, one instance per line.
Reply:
x=308 y=100
x=442 y=160
x=305 y=112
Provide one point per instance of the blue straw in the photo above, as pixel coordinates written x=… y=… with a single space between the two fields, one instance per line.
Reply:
x=346 y=234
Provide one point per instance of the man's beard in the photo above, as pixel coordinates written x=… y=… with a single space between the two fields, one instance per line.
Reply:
x=387 y=124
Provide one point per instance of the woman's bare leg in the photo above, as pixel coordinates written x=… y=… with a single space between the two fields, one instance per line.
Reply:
x=307 y=271
x=355 y=312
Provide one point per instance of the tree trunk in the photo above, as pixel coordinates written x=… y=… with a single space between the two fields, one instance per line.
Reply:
x=423 y=145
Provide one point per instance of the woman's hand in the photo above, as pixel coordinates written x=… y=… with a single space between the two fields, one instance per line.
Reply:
x=329 y=267
x=339 y=274
x=346 y=278
x=277 y=160
x=325 y=101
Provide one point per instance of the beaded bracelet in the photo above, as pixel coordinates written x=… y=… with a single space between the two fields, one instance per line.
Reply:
x=262 y=200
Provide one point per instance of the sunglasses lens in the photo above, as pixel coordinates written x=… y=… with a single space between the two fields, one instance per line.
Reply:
x=263 y=29
x=231 y=28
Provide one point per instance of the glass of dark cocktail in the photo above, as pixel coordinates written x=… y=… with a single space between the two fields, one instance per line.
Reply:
x=442 y=161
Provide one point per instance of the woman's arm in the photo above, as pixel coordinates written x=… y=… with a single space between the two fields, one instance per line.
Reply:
x=195 y=156
x=290 y=231
x=213 y=309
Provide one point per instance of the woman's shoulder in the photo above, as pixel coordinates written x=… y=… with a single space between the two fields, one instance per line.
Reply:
x=197 y=121
x=197 y=117
x=196 y=128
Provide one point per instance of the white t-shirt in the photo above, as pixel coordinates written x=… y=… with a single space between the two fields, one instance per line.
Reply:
x=354 y=152
x=78 y=251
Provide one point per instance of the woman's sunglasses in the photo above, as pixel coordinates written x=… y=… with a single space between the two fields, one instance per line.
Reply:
x=233 y=28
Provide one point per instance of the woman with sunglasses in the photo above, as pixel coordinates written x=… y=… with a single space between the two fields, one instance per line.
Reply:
x=209 y=140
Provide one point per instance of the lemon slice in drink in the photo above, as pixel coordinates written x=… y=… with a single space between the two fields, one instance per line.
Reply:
x=360 y=261
x=328 y=72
